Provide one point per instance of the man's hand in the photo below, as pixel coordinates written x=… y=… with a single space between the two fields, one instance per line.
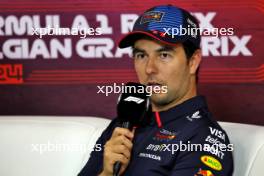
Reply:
x=117 y=148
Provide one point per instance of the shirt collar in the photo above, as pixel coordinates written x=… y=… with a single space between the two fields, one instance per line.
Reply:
x=185 y=108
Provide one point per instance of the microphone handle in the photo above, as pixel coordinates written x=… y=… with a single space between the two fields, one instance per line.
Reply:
x=117 y=165
x=116 y=168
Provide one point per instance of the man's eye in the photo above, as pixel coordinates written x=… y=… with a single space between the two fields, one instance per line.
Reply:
x=165 y=55
x=139 y=56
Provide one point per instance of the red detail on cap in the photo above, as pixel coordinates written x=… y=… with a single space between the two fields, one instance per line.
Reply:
x=162 y=34
x=158 y=119
x=155 y=32
x=150 y=35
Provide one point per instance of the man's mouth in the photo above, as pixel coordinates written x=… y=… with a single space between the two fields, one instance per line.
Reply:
x=153 y=84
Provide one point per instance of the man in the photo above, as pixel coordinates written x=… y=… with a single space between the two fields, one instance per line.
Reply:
x=180 y=117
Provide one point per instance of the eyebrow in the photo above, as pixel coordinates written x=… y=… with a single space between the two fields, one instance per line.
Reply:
x=165 y=48
x=137 y=50
x=161 y=49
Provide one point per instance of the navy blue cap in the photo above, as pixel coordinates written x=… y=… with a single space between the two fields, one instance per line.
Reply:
x=162 y=23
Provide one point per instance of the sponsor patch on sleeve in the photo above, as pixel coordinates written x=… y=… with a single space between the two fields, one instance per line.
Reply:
x=202 y=172
x=211 y=162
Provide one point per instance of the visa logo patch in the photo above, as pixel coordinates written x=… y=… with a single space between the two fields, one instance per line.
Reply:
x=217 y=133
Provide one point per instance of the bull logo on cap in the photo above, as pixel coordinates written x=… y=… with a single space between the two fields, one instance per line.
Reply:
x=151 y=17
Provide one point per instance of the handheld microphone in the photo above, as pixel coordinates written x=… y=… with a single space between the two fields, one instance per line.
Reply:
x=133 y=109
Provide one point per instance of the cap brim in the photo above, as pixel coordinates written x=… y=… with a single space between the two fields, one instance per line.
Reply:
x=129 y=39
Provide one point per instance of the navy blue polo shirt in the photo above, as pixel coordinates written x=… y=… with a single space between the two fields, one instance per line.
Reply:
x=182 y=141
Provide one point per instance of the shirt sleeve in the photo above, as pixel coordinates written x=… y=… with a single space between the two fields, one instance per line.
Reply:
x=95 y=163
x=215 y=158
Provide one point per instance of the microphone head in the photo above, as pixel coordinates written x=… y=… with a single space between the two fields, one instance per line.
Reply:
x=134 y=104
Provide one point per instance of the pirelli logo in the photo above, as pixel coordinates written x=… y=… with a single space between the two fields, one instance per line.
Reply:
x=11 y=73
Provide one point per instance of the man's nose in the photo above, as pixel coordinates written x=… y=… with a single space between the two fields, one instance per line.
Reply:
x=151 y=66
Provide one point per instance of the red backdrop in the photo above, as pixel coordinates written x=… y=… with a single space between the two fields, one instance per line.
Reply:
x=59 y=75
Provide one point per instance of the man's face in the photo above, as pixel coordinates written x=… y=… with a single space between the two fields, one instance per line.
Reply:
x=157 y=64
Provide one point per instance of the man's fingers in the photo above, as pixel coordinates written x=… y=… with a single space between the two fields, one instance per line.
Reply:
x=122 y=131
x=124 y=160
x=122 y=140
x=118 y=148
x=121 y=149
x=111 y=158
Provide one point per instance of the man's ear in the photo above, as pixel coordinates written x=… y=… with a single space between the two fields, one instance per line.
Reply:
x=195 y=61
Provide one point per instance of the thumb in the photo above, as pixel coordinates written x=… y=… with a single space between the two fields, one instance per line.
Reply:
x=134 y=129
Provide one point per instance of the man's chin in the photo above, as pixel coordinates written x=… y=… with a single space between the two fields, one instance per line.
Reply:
x=159 y=99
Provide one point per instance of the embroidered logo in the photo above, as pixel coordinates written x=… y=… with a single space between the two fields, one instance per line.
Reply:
x=195 y=115
x=152 y=16
x=164 y=135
